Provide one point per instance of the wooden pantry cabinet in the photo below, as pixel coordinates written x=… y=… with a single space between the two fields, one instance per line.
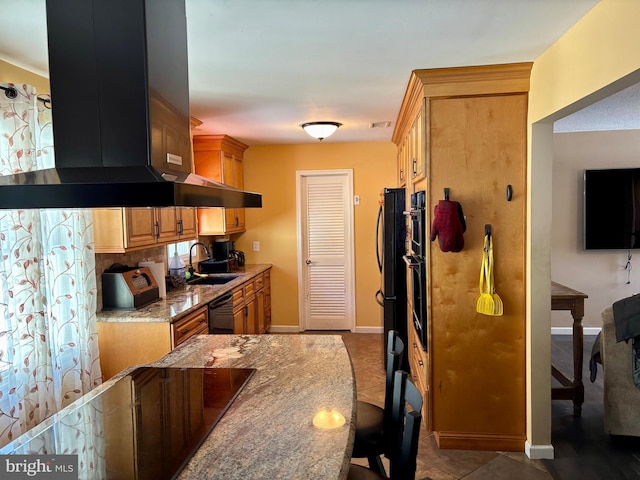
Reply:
x=121 y=230
x=219 y=157
x=465 y=129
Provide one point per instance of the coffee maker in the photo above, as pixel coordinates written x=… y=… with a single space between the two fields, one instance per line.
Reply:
x=225 y=251
x=221 y=249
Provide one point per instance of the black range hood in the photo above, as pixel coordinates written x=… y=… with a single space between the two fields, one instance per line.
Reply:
x=120 y=106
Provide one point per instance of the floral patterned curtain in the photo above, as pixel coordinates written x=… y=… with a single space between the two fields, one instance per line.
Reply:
x=48 y=332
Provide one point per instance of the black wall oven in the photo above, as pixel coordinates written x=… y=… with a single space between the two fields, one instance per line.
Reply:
x=416 y=260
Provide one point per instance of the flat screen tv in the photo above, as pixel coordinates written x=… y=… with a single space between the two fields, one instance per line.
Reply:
x=612 y=209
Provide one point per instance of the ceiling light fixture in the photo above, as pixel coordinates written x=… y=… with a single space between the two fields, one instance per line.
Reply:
x=320 y=130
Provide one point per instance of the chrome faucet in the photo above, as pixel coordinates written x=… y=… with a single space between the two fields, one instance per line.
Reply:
x=206 y=250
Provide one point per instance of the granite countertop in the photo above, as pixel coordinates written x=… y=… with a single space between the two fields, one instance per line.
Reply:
x=267 y=432
x=183 y=300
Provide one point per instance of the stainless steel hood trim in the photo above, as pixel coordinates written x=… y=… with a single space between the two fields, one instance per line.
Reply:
x=31 y=188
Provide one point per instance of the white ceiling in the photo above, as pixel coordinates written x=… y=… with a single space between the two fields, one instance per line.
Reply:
x=620 y=111
x=260 y=68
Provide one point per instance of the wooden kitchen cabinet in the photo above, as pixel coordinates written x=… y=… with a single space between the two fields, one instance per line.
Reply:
x=168 y=418
x=412 y=146
x=220 y=157
x=244 y=308
x=418 y=146
x=260 y=317
x=267 y=300
x=252 y=305
x=196 y=323
x=187 y=223
x=420 y=373
x=124 y=344
x=402 y=165
x=121 y=230
x=468 y=128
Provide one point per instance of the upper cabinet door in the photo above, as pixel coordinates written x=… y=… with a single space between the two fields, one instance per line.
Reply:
x=187 y=221
x=142 y=228
x=219 y=157
x=167 y=219
x=418 y=164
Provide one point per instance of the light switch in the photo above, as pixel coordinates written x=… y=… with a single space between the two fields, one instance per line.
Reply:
x=256 y=246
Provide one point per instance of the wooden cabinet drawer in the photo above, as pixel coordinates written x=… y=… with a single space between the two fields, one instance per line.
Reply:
x=238 y=296
x=249 y=288
x=259 y=282
x=193 y=324
x=418 y=359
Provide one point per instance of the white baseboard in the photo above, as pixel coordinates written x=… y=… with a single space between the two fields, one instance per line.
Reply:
x=569 y=330
x=369 y=330
x=296 y=329
x=538 y=452
x=284 y=329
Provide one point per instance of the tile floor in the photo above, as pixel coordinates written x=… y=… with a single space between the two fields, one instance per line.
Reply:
x=433 y=463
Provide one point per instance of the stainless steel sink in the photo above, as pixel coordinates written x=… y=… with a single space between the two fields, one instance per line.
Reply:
x=217 y=279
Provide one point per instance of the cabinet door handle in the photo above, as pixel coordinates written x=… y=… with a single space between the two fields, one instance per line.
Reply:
x=415 y=166
x=156 y=227
x=202 y=320
x=421 y=363
x=180 y=227
x=186 y=330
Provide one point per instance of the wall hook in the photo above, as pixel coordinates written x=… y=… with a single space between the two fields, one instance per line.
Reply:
x=509 y=193
x=446 y=194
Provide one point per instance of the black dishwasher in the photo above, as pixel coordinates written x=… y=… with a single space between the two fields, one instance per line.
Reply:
x=221 y=314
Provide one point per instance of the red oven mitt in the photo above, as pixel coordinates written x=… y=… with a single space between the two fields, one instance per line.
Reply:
x=448 y=226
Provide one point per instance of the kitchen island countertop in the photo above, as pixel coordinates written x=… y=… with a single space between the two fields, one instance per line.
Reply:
x=266 y=433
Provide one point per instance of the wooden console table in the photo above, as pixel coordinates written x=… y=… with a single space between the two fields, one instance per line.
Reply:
x=565 y=298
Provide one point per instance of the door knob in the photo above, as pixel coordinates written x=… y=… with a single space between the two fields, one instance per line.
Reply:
x=309 y=262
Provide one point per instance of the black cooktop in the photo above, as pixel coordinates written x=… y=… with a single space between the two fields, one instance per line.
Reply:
x=147 y=425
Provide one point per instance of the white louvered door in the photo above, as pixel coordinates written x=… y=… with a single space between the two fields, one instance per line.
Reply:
x=325 y=227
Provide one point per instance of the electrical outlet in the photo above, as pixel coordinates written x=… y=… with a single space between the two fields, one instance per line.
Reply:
x=256 y=246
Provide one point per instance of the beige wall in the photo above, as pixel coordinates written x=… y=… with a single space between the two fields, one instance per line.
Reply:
x=271 y=170
x=596 y=57
x=11 y=74
x=598 y=273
